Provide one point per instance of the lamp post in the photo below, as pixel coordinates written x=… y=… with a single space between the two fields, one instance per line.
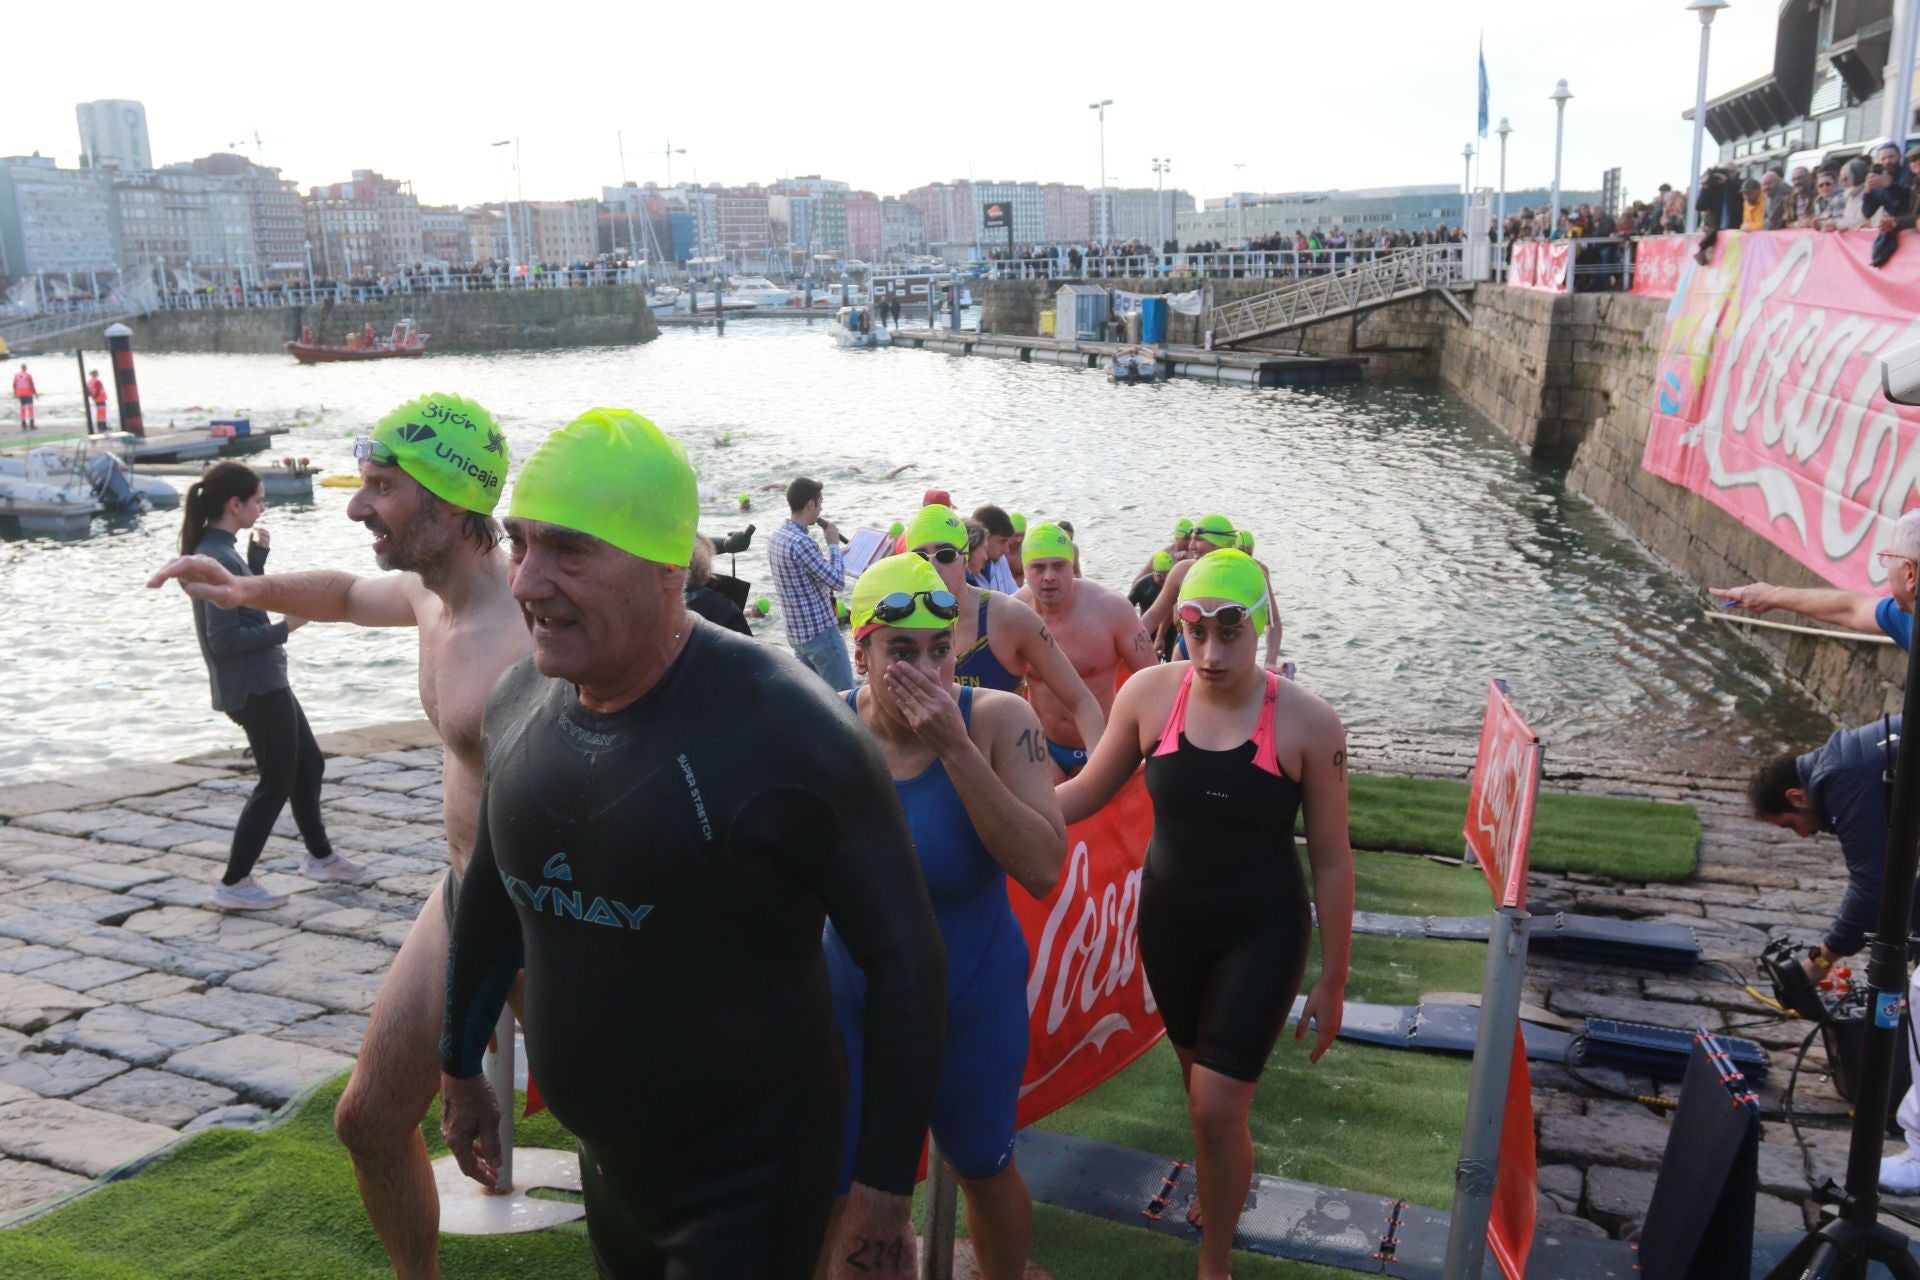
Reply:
x=1240 y=199
x=1500 y=227
x=1466 y=183
x=1559 y=97
x=506 y=207
x=1706 y=9
x=1101 y=107
x=309 y=267
x=1160 y=169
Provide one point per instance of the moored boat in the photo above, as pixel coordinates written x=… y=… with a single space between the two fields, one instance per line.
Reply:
x=405 y=340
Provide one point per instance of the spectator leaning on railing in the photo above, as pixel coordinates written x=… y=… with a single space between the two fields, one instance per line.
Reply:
x=1888 y=202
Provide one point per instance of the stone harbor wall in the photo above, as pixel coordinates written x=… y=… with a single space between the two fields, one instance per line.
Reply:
x=521 y=319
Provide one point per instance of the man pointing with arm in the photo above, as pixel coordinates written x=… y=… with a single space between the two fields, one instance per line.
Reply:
x=1891 y=615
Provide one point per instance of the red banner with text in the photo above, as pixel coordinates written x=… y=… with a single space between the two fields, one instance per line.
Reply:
x=1658 y=262
x=1767 y=399
x=1539 y=264
x=1087 y=995
x=1500 y=805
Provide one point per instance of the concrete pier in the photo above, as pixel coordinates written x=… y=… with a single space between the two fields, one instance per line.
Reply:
x=1245 y=368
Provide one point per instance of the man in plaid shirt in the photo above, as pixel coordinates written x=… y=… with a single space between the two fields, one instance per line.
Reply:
x=805 y=580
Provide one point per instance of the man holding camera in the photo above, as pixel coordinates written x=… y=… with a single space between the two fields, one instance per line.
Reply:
x=1843 y=788
x=1854 y=610
x=805 y=579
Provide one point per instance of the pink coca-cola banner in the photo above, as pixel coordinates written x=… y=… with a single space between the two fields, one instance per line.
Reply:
x=1658 y=262
x=1087 y=995
x=1539 y=264
x=1768 y=398
x=1500 y=803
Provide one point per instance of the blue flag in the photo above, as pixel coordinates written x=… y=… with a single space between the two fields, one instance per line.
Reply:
x=1483 y=86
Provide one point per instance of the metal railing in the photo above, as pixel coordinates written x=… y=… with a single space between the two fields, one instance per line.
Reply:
x=1396 y=274
x=1273 y=264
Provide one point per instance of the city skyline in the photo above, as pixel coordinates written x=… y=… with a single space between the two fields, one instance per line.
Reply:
x=367 y=100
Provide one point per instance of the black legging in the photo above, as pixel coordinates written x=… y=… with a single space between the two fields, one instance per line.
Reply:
x=290 y=766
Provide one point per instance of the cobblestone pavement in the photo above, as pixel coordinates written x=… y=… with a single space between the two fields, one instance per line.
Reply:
x=130 y=1011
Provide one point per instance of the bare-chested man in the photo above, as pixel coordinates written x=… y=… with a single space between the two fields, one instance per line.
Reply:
x=1096 y=628
x=430 y=477
x=1001 y=642
x=1212 y=533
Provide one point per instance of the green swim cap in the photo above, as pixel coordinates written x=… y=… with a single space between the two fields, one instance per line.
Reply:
x=902 y=573
x=895 y=529
x=1046 y=541
x=1162 y=561
x=447 y=442
x=612 y=474
x=1216 y=529
x=1182 y=527
x=936 y=524
x=1245 y=542
x=1228 y=574
x=1018 y=521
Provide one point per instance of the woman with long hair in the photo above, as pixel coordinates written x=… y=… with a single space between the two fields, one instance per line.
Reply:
x=1233 y=753
x=247 y=664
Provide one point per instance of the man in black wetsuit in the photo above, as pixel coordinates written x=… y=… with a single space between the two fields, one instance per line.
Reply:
x=664 y=868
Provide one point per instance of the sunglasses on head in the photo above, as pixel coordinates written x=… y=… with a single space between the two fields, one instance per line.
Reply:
x=900 y=605
x=938 y=555
x=1227 y=615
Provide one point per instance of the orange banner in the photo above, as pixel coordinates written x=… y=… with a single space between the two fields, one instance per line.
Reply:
x=1087 y=995
x=1506 y=783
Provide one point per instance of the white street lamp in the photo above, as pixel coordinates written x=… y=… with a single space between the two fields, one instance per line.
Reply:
x=1466 y=183
x=1706 y=9
x=1160 y=169
x=506 y=207
x=1559 y=97
x=1500 y=226
x=1101 y=106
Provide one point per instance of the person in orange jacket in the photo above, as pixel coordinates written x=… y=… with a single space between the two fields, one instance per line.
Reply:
x=24 y=392
x=97 y=392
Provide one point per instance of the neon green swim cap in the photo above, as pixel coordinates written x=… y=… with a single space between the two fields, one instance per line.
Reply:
x=902 y=574
x=1162 y=561
x=935 y=524
x=1182 y=527
x=1018 y=521
x=1216 y=529
x=612 y=474
x=895 y=529
x=1046 y=541
x=1245 y=542
x=1228 y=574
x=447 y=442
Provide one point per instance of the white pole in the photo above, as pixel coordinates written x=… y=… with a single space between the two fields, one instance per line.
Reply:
x=1560 y=97
x=1706 y=10
x=1500 y=227
x=1900 y=115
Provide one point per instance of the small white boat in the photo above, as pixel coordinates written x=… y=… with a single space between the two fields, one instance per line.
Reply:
x=1132 y=366
x=664 y=299
x=745 y=292
x=39 y=502
x=858 y=327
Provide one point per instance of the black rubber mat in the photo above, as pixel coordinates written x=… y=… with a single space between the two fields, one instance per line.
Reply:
x=1589 y=939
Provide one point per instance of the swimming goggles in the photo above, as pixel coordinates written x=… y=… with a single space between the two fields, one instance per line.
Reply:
x=939 y=555
x=367 y=449
x=1227 y=615
x=900 y=605
x=1202 y=531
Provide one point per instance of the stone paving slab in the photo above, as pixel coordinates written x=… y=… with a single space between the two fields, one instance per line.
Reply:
x=74 y=1138
x=58 y=1075
x=24 y=1184
x=233 y=1010
x=157 y=1097
x=132 y=1035
x=27 y=1004
x=259 y=1068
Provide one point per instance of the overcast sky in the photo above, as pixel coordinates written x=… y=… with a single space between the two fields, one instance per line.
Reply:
x=886 y=96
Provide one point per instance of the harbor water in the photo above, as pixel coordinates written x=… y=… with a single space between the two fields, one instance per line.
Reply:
x=1415 y=552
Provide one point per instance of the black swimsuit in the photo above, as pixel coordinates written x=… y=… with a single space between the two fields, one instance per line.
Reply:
x=1224 y=916
x=667 y=869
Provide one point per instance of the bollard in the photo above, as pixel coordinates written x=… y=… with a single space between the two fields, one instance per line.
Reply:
x=126 y=390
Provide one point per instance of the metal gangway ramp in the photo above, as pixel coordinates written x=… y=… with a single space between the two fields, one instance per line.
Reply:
x=1358 y=285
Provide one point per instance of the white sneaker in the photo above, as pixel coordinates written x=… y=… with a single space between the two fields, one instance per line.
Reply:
x=1900 y=1174
x=248 y=895
x=332 y=867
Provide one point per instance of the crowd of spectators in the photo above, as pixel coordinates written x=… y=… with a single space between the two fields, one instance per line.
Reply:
x=1878 y=191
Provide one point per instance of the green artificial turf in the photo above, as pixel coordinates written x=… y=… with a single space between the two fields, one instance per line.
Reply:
x=1640 y=840
x=237 y=1205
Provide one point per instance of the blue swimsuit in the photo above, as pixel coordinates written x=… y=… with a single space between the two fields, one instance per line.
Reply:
x=980 y=668
x=973 y=1115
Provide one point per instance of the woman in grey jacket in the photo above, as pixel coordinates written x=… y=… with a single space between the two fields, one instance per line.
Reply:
x=247 y=663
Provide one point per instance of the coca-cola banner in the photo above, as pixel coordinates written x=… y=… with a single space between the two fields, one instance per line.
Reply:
x=1539 y=264
x=1506 y=783
x=1768 y=403
x=1087 y=995
x=1658 y=262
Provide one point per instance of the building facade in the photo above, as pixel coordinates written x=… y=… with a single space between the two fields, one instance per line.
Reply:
x=113 y=135
x=903 y=228
x=946 y=210
x=743 y=227
x=443 y=236
x=1069 y=213
x=1238 y=219
x=865 y=237
x=54 y=219
x=366 y=227
x=1027 y=203
x=274 y=212
x=1144 y=214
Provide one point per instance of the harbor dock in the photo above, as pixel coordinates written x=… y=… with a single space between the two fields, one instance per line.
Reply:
x=1246 y=368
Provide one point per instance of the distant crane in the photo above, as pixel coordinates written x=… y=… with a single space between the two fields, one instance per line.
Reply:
x=259 y=147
